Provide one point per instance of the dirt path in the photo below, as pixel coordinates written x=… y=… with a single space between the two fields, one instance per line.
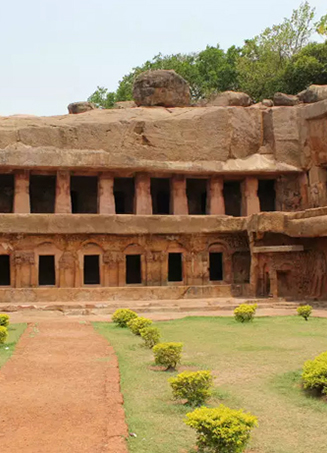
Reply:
x=60 y=393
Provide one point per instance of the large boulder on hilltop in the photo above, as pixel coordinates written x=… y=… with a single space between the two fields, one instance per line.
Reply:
x=314 y=93
x=286 y=99
x=161 y=87
x=230 y=98
x=80 y=107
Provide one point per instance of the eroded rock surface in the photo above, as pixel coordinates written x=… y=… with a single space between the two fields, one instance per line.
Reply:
x=231 y=98
x=161 y=87
x=80 y=107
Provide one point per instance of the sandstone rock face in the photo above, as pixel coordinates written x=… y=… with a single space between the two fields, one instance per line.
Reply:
x=80 y=107
x=268 y=103
x=124 y=105
x=314 y=93
x=161 y=88
x=231 y=98
x=286 y=99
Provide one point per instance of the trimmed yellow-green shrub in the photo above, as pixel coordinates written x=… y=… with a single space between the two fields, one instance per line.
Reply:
x=151 y=336
x=168 y=354
x=245 y=312
x=3 y=334
x=304 y=311
x=194 y=386
x=221 y=429
x=315 y=374
x=122 y=316
x=4 y=320
x=137 y=324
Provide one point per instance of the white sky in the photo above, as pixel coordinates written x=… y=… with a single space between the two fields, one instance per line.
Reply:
x=54 y=52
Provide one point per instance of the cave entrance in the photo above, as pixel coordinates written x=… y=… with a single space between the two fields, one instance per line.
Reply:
x=160 y=193
x=91 y=269
x=84 y=194
x=124 y=193
x=267 y=195
x=4 y=270
x=233 y=198
x=133 y=269
x=47 y=273
x=7 y=187
x=196 y=190
x=42 y=194
x=175 y=267
x=216 y=266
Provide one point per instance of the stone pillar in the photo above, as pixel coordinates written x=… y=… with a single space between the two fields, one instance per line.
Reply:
x=22 y=195
x=215 y=196
x=250 y=199
x=63 y=203
x=143 y=200
x=106 y=194
x=178 y=195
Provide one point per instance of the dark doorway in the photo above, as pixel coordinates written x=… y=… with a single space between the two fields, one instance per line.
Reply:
x=160 y=193
x=4 y=270
x=196 y=190
x=233 y=198
x=133 y=269
x=84 y=194
x=175 y=267
x=267 y=195
x=47 y=273
x=42 y=194
x=124 y=192
x=7 y=184
x=284 y=284
x=91 y=270
x=216 y=266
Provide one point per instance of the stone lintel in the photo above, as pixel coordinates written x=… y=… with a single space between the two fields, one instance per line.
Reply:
x=278 y=249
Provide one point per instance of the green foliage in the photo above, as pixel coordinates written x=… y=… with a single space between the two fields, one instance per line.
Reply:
x=321 y=26
x=151 y=336
x=315 y=374
x=137 y=324
x=4 y=320
x=304 y=311
x=168 y=354
x=122 y=316
x=245 y=312
x=221 y=430
x=103 y=98
x=3 y=334
x=194 y=386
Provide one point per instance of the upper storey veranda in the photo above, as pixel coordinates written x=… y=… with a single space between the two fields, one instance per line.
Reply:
x=189 y=140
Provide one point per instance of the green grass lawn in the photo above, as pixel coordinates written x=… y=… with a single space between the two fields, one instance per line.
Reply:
x=256 y=366
x=6 y=349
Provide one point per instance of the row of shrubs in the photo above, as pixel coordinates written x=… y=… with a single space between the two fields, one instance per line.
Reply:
x=4 y=323
x=246 y=312
x=218 y=429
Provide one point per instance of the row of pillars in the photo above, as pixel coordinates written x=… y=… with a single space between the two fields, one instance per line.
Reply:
x=143 y=199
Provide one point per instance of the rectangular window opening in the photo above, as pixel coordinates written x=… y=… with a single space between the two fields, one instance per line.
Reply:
x=133 y=269
x=47 y=273
x=84 y=194
x=124 y=192
x=160 y=193
x=4 y=270
x=175 y=267
x=7 y=185
x=42 y=194
x=91 y=270
x=196 y=190
x=233 y=198
x=267 y=195
x=216 y=266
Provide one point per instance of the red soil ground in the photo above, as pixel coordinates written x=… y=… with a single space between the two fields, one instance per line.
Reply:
x=60 y=393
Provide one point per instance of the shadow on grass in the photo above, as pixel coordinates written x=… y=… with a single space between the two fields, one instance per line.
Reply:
x=290 y=386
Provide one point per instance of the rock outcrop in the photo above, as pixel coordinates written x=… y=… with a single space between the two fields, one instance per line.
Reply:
x=80 y=107
x=161 y=88
x=230 y=98
x=314 y=93
x=286 y=99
